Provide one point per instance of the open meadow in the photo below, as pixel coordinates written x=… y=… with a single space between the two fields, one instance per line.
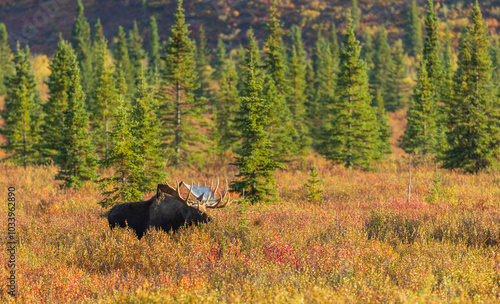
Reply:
x=362 y=243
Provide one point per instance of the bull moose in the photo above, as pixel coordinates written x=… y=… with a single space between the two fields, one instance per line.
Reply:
x=168 y=210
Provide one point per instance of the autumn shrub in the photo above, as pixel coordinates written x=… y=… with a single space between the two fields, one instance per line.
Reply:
x=386 y=226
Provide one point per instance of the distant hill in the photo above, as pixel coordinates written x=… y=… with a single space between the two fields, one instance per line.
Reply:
x=39 y=22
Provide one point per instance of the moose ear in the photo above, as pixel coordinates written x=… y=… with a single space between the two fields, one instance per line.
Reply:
x=158 y=190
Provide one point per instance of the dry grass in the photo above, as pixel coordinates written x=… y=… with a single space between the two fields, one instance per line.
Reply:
x=363 y=243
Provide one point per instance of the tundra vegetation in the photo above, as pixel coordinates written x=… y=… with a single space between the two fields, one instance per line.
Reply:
x=107 y=122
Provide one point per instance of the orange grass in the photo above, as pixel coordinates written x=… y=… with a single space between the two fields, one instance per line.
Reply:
x=363 y=243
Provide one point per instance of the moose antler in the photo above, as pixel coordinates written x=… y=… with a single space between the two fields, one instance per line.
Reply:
x=200 y=203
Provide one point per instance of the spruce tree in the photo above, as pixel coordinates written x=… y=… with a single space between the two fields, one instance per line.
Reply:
x=127 y=182
x=104 y=98
x=154 y=50
x=382 y=63
x=54 y=108
x=81 y=42
x=76 y=156
x=383 y=146
x=413 y=31
x=284 y=135
x=275 y=64
x=297 y=98
x=368 y=51
x=220 y=61
x=5 y=58
x=135 y=51
x=431 y=52
x=181 y=107
x=351 y=136
x=495 y=58
x=227 y=104
x=122 y=59
x=254 y=161
x=356 y=14
x=145 y=128
x=449 y=68
x=202 y=63
x=22 y=112
x=421 y=134
x=473 y=115
x=396 y=87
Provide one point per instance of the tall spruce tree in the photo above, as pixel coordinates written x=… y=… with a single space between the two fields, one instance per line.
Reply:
x=473 y=115
x=82 y=44
x=356 y=14
x=431 y=52
x=382 y=63
x=135 y=50
x=154 y=51
x=368 y=51
x=76 y=157
x=413 y=32
x=5 y=58
x=104 y=98
x=145 y=129
x=203 y=63
x=297 y=98
x=351 y=136
x=220 y=59
x=422 y=131
x=396 y=87
x=255 y=162
x=181 y=106
x=449 y=68
x=122 y=59
x=21 y=115
x=127 y=182
x=227 y=103
x=284 y=136
x=495 y=58
x=383 y=146
x=54 y=108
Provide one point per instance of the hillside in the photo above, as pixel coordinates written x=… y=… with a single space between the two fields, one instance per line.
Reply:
x=39 y=22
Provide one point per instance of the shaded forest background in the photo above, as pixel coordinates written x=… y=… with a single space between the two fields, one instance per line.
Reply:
x=39 y=22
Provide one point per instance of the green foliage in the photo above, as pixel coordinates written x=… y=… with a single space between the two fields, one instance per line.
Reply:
x=54 y=108
x=350 y=137
x=436 y=191
x=275 y=63
x=180 y=107
x=203 y=64
x=473 y=114
x=122 y=59
x=297 y=98
x=154 y=51
x=314 y=192
x=254 y=161
x=421 y=132
x=382 y=60
x=126 y=184
x=226 y=106
x=413 y=31
x=146 y=128
x=22 y=117
x=396 y=87
x=104 y=98
x=82 y=44
x=5 y=58
x=384 y=133
x=76 y=156
x=135 y=51
x=356 y=14
x=431 y=52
